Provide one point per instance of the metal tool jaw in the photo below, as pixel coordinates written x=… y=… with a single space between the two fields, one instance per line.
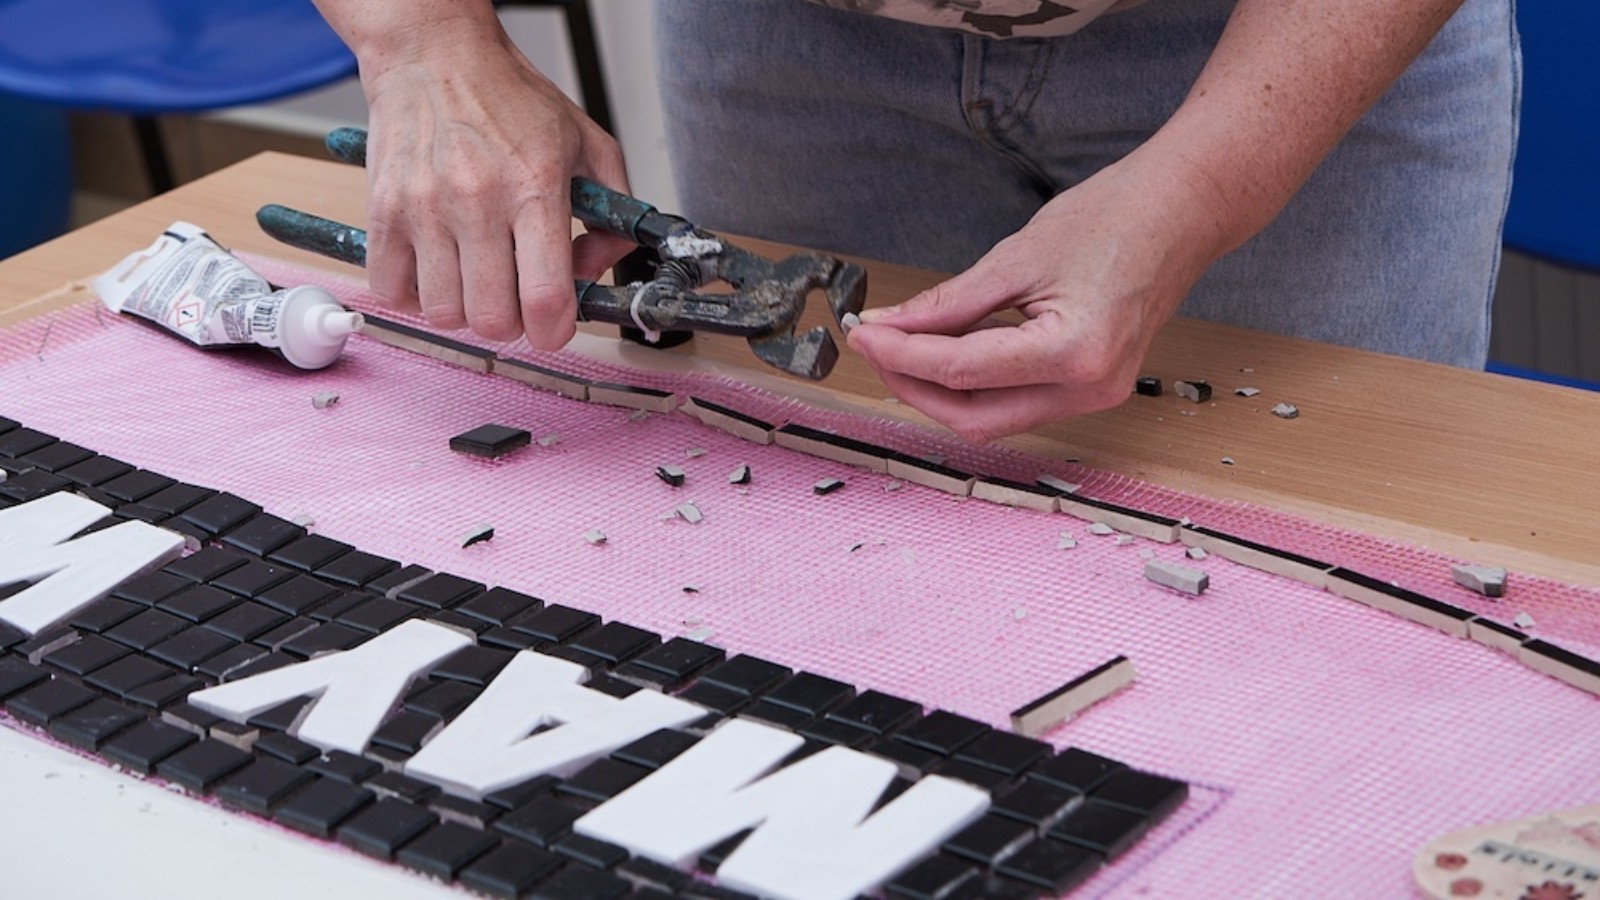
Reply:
x=764 y=306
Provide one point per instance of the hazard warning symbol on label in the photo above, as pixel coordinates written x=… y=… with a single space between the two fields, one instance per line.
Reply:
x=188 y=313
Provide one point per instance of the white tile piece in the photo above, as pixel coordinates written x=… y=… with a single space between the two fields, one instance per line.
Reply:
x=1124 y=540
x=1247 y=391
x=1101 y=529
x=1286 y=411
x=1065 y=541
x=689 y=512
x=1489 y=581
x=1195 y=553
x=550 y=440
x=1177 y=576
x=1523 y=621
x=324 y=399
x=1058 y=484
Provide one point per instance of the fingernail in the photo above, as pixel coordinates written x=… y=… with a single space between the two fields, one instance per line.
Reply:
x=879 y=314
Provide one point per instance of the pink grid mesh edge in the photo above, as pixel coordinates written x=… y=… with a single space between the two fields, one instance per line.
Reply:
x=1326 y=741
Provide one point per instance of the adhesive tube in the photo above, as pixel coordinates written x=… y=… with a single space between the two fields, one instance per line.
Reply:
x=190 y=285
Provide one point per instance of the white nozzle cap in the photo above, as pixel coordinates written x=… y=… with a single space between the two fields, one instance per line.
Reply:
x=315 y=327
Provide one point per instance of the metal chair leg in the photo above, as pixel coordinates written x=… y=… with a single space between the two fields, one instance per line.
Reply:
x=157 y=166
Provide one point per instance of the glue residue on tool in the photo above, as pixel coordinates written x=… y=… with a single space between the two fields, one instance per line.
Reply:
x=192 y=286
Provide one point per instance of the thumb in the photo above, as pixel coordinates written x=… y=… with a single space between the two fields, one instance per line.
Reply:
x=951 y=307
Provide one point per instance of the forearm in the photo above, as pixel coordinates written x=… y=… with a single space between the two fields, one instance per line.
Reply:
x=1286 y=81
x=383 y=33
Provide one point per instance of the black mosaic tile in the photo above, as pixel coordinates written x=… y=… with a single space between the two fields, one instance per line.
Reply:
x=22 y=441
x=377 y=615
x=1052 y=865
x=934 y=878
x=646 y=872
x=264 y=663
x=541 y=821
x=639 y=676
x=810 y=693
x=1142 y=792
x=298 y=596
x=505 y=638
x=460 y=621
x=402 y=787
x=1076 y=770
x=830 y=731
x=445 y=849
x=324 y=637
x=8 y=424
x=1102 y=828
x=491 y=441
x=441 y=591
x=443 y=700
x=150 y=588
x=95 y=470
x=57 y=456
x=877 y=712
x=509 y=871
x=310 y=552
x=476 y=666
x=246 y=621
x=580 y=883
x=555 y=623
x=229 y=660
x=144 y=745
x=47 y=701
x=201 y=765
x=394 y=582
x=656 y=749
x=262 y=786
x=748 y=675
x=989 y=840
x=602 y=779
x=176 y=499
x=521 y=794
x=48 y=641
x=11 y=635
x=127 y=675
x=340 y=604
x=680 y=658
x=472 y=813
x=218 y=513
x=612 y=686
x=912 y=760
x=715 y=697
x=31 y=485
x=346 y=767
x=164 y=692
x=590 y=851
x=385 y=826
x=786 y=717
x=975 y=775
x=278 y=745
x=135 y=486
x=147 y=629
x=191 y=718
x=17 y=675
x=319 y=807
x=87 y=654
x=206 y=564
x=188 y=649
x=943 y=732
x=253 y=578
x=616 y=641
x=91 y=725
x=282 y=717
x=407 y=731
x=499 y=605
x=198 y=603
x=138 y=512
x=596 y=665
x=103 y=614
x=1004 y=752
x=357 y=568
x=263 y=534
x=1035 y=803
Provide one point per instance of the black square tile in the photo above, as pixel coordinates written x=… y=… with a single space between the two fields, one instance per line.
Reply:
x=103 y=614
x=541 y=821
x=590 y=851
x=310 y=552
x=1035 y=802
x=164 y=692
x=340 y=604
x=144 y=745
x=832 y=731
x=91 y=725
x=748 y=675
x=943 y=732
x=298 y=596
x=190 y=718
x=17 y=675
x=445 y=849
x=443 y=700
x=87 y=654
x=475 y=814
x=764 y=710
x=1004 y=752
x=656 y=749
x=877 y=712
x=57 y=456
x=147 y=629
x=346 y=767
x=246 y=621
x=975 y=775
x=580 y=883
x=460 y=621
x=138 y=512
x=357 y=568
x=680 y=657
x=229 y=660
x=555 y=623
x=31 y=485
x=913 y=761
x=715 y=697
x=150 y=588
x=646 y=872
x=1101 y=828
x=47 y=701
x=510 y=870
x=256 y=666
x=198 y=603
x=10 y=635
x=188 y=649
x=1053 y=865
x=499 y=605
x=602 y=779
x=18 y=442
x=128 y=674
x=989 y=840
x=278 y=745
x=276 y=637
x=503 y=638
x=95 y=470
x=491 y=441
x=263 y=785
x=200 y=766
x=262 y=534
x=319 y=807
x=175 y=499
x=393 y=583
x=282 y=717
x=616 y=641
x=407 y=731
x=384 y=827
x=810 y=693
x=135 y=486
x=253 y=578
x=327 y=636
x=48 y=641
x=377 y=615
x=216 y=514
x=441 y=591
x=934 y=878
x=476 y=666
x=521 y=794
x=1142 y=792
x=206 y=564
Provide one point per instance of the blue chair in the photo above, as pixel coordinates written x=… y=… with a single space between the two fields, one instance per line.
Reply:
x=152 y=57
x=1555 y=190
x=35 y=173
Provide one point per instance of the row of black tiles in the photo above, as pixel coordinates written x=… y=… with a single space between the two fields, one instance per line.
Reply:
x=264 y=593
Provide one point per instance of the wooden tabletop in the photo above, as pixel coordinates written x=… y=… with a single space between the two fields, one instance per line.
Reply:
x=1497 y=470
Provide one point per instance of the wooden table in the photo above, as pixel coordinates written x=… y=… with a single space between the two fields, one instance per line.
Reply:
x=1492 y=469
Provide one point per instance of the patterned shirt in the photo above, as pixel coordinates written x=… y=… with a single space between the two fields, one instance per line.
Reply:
x=993 y=18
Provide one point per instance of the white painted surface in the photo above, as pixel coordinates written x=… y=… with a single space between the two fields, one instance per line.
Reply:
x=627 y=54
x=75 y=828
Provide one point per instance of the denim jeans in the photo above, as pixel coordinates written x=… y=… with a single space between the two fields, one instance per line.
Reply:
x=845 y=132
